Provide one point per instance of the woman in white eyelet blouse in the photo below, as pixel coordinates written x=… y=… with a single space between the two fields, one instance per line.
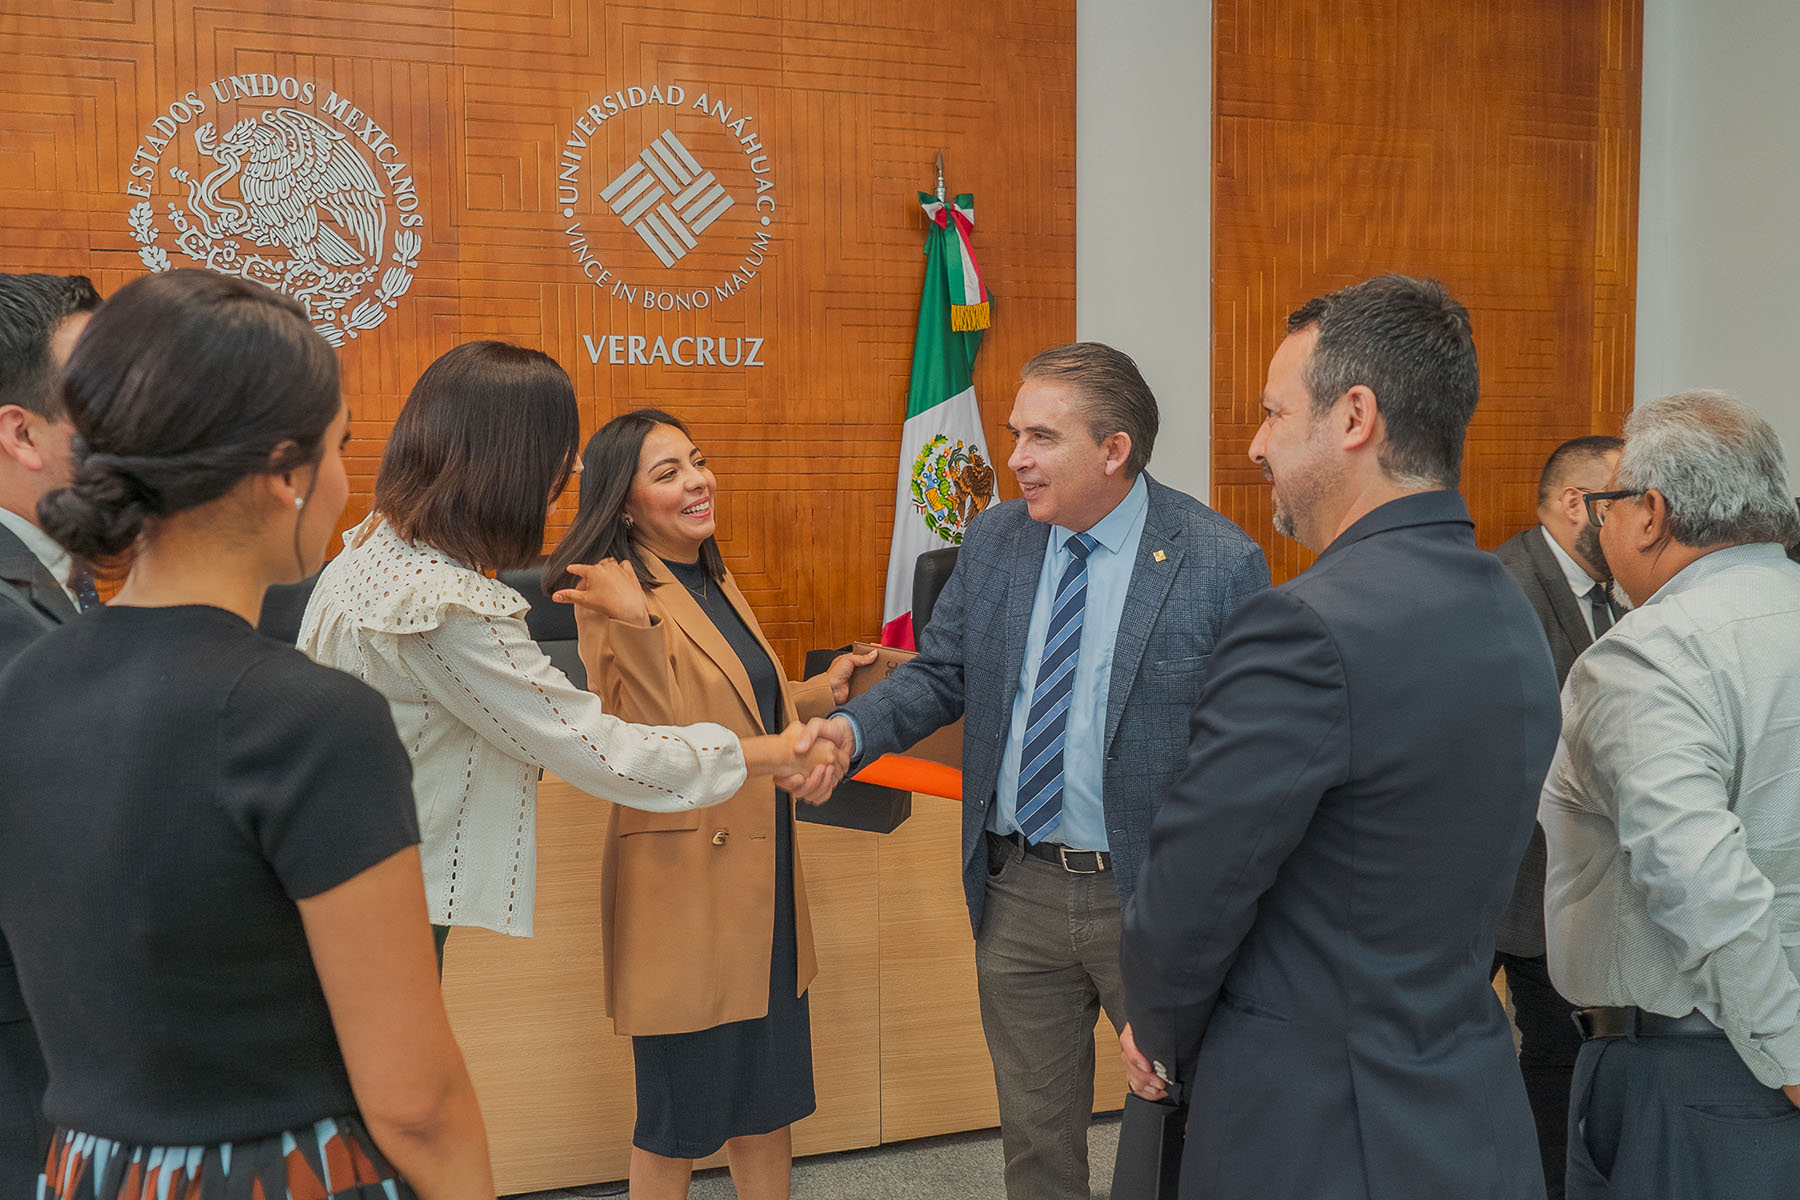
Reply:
x=477 y=703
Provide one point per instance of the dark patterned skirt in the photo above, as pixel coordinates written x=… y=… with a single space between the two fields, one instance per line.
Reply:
x=334 y=1158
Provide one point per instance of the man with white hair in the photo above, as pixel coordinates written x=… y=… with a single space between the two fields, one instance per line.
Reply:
x=1672 y=818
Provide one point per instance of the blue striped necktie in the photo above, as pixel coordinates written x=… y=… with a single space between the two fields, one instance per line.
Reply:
x=1046 y=727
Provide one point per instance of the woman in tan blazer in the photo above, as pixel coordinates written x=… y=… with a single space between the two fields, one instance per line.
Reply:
x=708 y=946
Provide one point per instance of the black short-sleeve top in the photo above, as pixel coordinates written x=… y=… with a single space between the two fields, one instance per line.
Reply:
x=173 y=783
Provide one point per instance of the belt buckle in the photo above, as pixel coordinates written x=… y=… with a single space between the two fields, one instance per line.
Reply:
x=1062 y=853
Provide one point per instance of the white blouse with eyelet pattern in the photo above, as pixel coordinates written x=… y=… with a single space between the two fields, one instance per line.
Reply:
x=480 y=709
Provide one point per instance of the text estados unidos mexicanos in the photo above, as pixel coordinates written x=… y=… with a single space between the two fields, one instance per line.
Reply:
x=271 y=87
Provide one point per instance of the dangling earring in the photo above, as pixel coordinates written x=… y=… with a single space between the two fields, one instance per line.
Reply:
x=628 y=520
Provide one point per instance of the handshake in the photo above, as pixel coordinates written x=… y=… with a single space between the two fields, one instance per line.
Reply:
x=807 y=759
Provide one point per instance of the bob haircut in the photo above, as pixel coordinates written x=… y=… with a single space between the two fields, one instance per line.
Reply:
x=609 y=466
x=486 y=441
x=185 y=384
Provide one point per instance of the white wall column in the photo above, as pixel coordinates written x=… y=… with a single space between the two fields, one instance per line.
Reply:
x=1143 y=216
x=1719 y=206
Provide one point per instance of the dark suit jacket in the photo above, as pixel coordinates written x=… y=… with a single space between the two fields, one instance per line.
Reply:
x=31 y=604
x=1310 y=941
x=971 y=653
x=1528 y=560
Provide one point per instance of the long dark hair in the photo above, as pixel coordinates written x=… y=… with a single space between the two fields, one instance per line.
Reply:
x=487 y=439
x=608 y=467
x=184 y=384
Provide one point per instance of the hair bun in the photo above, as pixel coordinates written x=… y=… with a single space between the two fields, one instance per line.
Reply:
x=100 y=514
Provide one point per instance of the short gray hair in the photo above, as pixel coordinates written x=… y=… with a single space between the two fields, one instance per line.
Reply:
x=1717 y=463
x=1114 y=396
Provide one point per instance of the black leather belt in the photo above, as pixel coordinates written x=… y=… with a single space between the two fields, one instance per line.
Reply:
x=1635 y=1023
x=1076 y=862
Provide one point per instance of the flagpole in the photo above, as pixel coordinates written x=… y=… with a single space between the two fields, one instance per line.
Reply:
x=940 y=169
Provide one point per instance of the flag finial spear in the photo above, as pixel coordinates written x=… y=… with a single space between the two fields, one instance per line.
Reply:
x=940 y=170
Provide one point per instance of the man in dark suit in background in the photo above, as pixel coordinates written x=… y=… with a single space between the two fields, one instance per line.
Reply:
x=1072 y=638
x=1309 y=945
x=1561 y=569
x=40 y=318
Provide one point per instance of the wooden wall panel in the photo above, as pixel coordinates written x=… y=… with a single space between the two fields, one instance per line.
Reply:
x=850 y=98
x=1492 y=146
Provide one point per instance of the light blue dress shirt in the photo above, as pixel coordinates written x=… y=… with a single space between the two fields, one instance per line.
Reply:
x=1108 y=576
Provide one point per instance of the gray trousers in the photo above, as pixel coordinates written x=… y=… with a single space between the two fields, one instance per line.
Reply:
x=1047 y=962
x=1677 y=1118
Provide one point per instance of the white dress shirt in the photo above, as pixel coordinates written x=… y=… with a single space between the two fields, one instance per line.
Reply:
x=480 y=709
x=1672 y=809
x=44 y=548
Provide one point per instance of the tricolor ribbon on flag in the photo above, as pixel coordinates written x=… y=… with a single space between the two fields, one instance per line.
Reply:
x=969 y=308
x=945 y=476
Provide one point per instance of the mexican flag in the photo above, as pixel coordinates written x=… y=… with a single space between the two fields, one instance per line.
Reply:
x=945 y=473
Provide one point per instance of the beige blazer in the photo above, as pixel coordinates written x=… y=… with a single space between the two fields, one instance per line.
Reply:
x=688 y=898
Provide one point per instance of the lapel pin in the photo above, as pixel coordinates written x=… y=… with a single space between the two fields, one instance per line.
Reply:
x=1159 y=556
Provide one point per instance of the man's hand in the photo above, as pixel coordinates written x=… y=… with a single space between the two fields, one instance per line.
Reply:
x=1143 y=1082
x=842 y=667
x=836 y=729
x=1792 y=1092
x=819 y=763
x=608 y=587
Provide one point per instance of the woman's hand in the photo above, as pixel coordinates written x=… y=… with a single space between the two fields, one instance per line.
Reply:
x=840 y=670
x=608 y=587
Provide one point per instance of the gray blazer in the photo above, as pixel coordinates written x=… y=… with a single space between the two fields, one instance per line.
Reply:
x=1529 y=561
x=31 y=604
x=1310 y=941
x=971 y=654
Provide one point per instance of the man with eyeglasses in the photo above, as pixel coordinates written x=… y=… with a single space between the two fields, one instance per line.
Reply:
x=1672 y=814
x=1560 y=567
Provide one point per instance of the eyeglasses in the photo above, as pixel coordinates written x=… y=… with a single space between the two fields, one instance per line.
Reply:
x=1597 y=514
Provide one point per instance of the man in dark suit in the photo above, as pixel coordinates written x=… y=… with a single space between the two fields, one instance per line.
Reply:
x=1561 y=569
x=1308 y=949
x=1072 y=637
x=40 y=318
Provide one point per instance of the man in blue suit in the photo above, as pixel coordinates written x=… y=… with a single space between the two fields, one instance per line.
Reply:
x=1072 y=638
x=1309 y=946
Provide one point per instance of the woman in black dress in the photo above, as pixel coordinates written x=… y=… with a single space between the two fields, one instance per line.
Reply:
x=709 y=949
x=209 y=868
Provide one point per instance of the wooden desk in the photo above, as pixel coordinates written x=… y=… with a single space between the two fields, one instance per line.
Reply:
x=897 y=1045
